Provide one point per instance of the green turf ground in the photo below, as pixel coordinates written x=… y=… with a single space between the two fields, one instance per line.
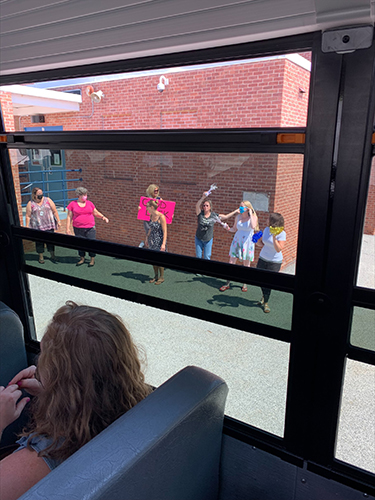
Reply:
x=180 y=287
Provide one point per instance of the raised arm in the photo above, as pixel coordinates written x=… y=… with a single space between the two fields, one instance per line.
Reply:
x=199 y=203
x=228 y=216
x=54 y=211
x=254 y=219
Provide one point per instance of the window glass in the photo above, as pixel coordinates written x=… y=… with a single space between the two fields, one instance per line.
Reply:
x=362 y=332
x=366 y=270
x=255 y=368
x=356 y=431
x=260 y=92
x=118 y=182
x=178 y=286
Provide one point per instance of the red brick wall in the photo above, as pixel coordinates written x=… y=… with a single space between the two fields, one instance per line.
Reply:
x=6 y=108
x=294 y=101
x=242 y=95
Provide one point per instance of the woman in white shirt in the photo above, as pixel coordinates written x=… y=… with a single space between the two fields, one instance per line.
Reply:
x=271 y=256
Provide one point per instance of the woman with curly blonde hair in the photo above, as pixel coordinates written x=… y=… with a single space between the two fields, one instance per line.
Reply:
x=88 y=375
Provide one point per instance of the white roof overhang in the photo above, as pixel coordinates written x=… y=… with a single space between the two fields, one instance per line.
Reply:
x=33 y=101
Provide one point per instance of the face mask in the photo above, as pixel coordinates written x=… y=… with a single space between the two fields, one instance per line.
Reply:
x=40 y=196
x=84 y=198
x=242 y=210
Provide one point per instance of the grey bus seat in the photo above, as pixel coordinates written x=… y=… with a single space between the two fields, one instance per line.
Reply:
x=167 y=447
x=12 y=360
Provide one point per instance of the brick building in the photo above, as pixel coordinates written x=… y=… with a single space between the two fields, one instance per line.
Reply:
x=267 y=92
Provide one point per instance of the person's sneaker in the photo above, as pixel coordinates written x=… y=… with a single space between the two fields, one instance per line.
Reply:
x=142 y=244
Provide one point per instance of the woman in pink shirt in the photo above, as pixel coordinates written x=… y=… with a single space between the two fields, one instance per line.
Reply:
x=83 y=213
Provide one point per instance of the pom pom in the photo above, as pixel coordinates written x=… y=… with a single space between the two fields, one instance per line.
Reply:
x=257 y=236
x=212 y=188
x=276 y=230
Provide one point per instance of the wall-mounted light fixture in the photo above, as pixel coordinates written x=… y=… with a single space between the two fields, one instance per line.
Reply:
x=163 y=82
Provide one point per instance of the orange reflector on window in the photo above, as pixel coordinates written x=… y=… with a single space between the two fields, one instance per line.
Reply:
x=3 y=138
x=373 y=138
x=290 y=138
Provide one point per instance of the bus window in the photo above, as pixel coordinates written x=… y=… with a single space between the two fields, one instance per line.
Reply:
x=182 y=288
x=356 y=432
x=117 y=183
x=362 y=332
x=255 y=368
x=366 y=270
x=259 y=92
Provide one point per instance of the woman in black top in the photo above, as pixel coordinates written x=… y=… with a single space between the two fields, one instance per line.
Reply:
x=205 y=230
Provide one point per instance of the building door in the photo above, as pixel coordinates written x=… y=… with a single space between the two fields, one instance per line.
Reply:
x=46 y=169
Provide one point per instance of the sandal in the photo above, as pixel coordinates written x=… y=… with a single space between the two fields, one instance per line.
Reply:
x=244 y=288
x=266 y=308
x=224 y=287
x=41 y=261
x=159 y=281
x=153 y=280
x=261 y=302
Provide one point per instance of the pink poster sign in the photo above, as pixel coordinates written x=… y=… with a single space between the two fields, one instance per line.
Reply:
x=165 y=207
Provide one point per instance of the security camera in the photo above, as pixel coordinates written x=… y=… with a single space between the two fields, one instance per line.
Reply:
x=163 y=82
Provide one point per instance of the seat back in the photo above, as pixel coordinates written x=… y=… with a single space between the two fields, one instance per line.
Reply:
x=166 y=447
x=12 y=359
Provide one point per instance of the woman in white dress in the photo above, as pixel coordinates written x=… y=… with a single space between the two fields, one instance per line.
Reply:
x=242 y=246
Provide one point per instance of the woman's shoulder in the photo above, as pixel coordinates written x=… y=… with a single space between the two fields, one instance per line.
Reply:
x=73 y=203
x=38 y=443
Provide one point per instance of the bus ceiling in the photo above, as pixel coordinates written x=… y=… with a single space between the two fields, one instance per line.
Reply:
x=50 y=37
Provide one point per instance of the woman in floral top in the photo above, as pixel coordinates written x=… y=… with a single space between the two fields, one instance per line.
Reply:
x=41 y=214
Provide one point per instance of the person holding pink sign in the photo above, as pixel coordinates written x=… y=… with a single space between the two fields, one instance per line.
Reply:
x=156 y=238
x=153 y=192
